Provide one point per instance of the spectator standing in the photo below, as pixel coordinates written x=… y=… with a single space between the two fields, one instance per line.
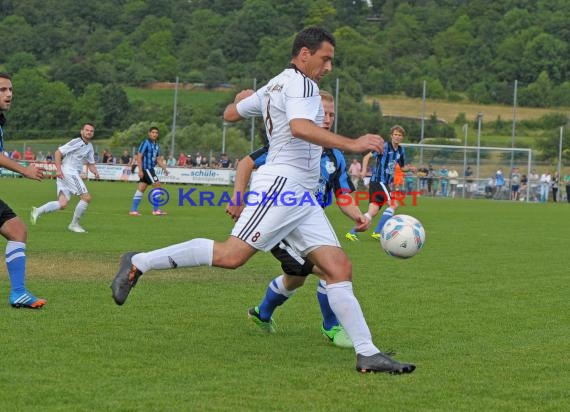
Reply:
x=49 y=157
x=181 y=160
x=545 y=181
x=15 y=155
x=534 y=181
x=444 y=179
x=171 y=161
x=453 y=182
x=225 y=162
x=468 y=184
x=567 y=182
x=515 y=183
x=554 y=185
x=29 y=155
x=126 y=158
x=499 y=184
x=354 y=172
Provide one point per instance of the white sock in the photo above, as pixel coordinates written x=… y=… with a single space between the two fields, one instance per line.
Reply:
x=79 y=210
x=347 y=309
x=48 y=207
x=195 y=252
x=280 y=287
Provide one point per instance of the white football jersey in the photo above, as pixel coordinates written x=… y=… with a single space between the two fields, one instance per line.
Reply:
x=75 y=153
x=290 y=95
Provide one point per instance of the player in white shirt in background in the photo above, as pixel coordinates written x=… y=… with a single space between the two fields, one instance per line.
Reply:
x=292 y=113
x=69 y=161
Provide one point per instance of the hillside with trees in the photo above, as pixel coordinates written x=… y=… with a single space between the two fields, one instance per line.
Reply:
x=71 y=59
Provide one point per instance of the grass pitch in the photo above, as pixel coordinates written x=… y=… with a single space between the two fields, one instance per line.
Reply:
x=482 y=311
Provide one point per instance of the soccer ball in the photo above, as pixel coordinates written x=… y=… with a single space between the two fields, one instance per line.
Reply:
x=402 y=236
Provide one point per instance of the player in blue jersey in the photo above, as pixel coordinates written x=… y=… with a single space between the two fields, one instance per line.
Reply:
x=333 y=179
x=382 y=179
x=148 y=157
x=11 y=226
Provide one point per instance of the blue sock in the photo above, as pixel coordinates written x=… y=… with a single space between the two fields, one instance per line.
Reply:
x=275 y=295
x=388 y=213
x=329 y=318
x=136 y=200
x=16 y=263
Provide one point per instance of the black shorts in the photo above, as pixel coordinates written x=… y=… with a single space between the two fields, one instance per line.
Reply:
x=149 y=177
x=6 y=213
x=291 y=263
x=379 y=194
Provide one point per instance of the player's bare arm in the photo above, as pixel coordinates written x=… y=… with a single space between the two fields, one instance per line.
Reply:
x=243 y=173
x=231 y=113
x=57 y=160
x=365 y=161
x=93 y=169
x=362 y=223
x=307 y=130
x=31 y=172
x=162 y=165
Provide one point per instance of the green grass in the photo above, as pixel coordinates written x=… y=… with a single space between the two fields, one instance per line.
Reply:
x=482 y=311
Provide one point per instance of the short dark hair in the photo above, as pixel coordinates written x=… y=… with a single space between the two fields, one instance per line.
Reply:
x=153 y=128
x=5 y=76
x=312 y=38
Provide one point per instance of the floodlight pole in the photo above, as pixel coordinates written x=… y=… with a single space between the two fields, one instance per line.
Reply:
x=560 y=159
x=174 y=119
x=465 y=130
x=224 y=131
x=479 y=118
x=514 y=124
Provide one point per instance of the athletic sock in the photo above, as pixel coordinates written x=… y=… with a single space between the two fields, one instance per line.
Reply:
x=48 y=207
x=329 y=318
x=275 y=295
x=388 y=213
x=79 y=210
x=348 y=311
x=16 y=264
x=195 y=252
x=136 y=200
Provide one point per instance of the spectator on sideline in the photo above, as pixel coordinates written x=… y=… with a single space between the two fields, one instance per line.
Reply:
x=469 y=185
x=29 y=155
x=515 y=183
x=225 y=162
x=171 y=161
x=148 y=157
x=545 y=181
x=49 y=157
x=567 y=182
x=453 y=182
x=11 y=226
x=16 y=155
x=126 y=158
x=554 y=185
x=69 y=161
x=410 y=178
x=181 y=160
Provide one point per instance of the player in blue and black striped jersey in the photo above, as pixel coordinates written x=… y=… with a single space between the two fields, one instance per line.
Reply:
x=333 y=179
x=11 y=226
x=382 y=179
x=148 y=157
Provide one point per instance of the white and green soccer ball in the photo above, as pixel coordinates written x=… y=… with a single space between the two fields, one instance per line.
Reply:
x=403 y=236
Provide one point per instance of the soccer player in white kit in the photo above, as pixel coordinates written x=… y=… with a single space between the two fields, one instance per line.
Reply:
x=69 y=160
x=292 y=112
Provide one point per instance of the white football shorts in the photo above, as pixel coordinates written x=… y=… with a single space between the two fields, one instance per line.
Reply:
x=278 y=208
x=71 y=184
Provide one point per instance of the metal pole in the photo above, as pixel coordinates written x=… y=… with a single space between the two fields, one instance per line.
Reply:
x=560 y=159
x=224 y=131
x=173 y=140
x=479 y=118
x=422 y=128
x=514 y=123
x=465 y=130
x=252 y=133
x=336 y=105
